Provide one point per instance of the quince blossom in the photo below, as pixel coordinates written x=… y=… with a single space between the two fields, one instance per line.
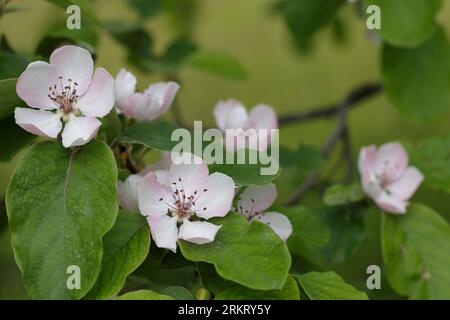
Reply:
x=255 y=127
x=177 y=200
x=386 y=176
x=255 y=199
x=65 y=89
x=149 y=105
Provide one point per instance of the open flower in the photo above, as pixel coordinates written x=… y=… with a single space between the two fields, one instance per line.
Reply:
x=386 y=176
x=255 y=199
x=176 y=201
x=252 y=130
x=149 y=105
x=65 y=89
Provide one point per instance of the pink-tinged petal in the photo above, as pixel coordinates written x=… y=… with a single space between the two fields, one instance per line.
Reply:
x=188 y=178
x=278 y=222
x=154 y=198
x=34 y=84
x=164 y=93
x=124 y=86
x=215 y=197
x=391 y=161
x=99 y=98
x=163 y=177
x=263 y=117
x=140 y=107
x=366 y=163
x=163 y=163
x=405 y=187
x=230 y=114
x=198 y=232
x=74 y=63
x=39 y=122
x=164 y=231
x=128 y=192
x=79 y=131
x=257 y=199
x=391 y=204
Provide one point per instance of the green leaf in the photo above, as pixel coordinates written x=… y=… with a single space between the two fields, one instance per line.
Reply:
x=155 y=135
x=289 y=292
x=217 y=63
x=306 y=158
x=339 y=194
x=210 y=279
x=245 y=174
x=144 y=295
x=8 y=97
x=250 y=254
x=12 y=139
x=407 y=23
x=179 y=293
x=12 y=64
x=432 y=157
x=125 y=248
x=60 y=204
x=416 y=250
x=418 y=80
x=86 y=8
x=305 y=17
x=328 y=286
x=147 y=8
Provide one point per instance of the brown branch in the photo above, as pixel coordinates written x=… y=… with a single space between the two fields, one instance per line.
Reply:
x=341 y=132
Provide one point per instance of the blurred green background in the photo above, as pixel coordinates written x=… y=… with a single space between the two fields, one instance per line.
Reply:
x=276 y=74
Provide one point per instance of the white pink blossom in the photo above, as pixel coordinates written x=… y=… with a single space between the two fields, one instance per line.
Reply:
x=148 y=105
x=386 y=176
x=66 y=90
x=255 y=200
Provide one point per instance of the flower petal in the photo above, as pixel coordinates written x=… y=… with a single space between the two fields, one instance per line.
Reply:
x=366 y=163
x=74 y=63
x=164 y=231
x=164 y=93
x=391 y=203
x=128 y=192
x=34 y=83
x=405 y=187
x=217 y=200
x=257 y=199
x=230 y=114
x=278 y=222
x=39 y=122
x=79 y=131
x=99 y=98
x=188 y=177
x=140 y=107
x=198 y=232
x=391 y=161
x=124 y=86
x=153 y=196
x=263 y=117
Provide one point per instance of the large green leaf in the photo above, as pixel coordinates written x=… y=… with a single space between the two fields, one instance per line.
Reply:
x=217 y=63
x=8 y=97
x=250 y=254
x=289 y=292
x=12 y=138
x=418 y=80
x=416 y=249
x=144 y=295
x=328 y=286
x=432 y=157
x=155 y=135
x=305 y=17
x=407 y=23
x=339 y=194
x=60 y=204
x=126 y=246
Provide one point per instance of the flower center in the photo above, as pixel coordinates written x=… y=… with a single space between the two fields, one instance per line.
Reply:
x=183 y=205
x=64 y=95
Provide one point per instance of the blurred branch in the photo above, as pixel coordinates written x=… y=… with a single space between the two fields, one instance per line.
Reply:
x=340 y=133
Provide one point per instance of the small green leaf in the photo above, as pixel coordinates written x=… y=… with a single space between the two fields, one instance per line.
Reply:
x=245 y=174
x=250 y=254
x=217 y=63
x=416 y=250
x=306 y=158
x=144 y=295
x=8 y=97
x=155 y=135
x=179 y=293
x=147 y=8
x=432 y=157
x=328 y=286
x=288 y=292
x=126 y=246
x=407 y=23
x=418 y=80
x=339 y=194
x=60 y=204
